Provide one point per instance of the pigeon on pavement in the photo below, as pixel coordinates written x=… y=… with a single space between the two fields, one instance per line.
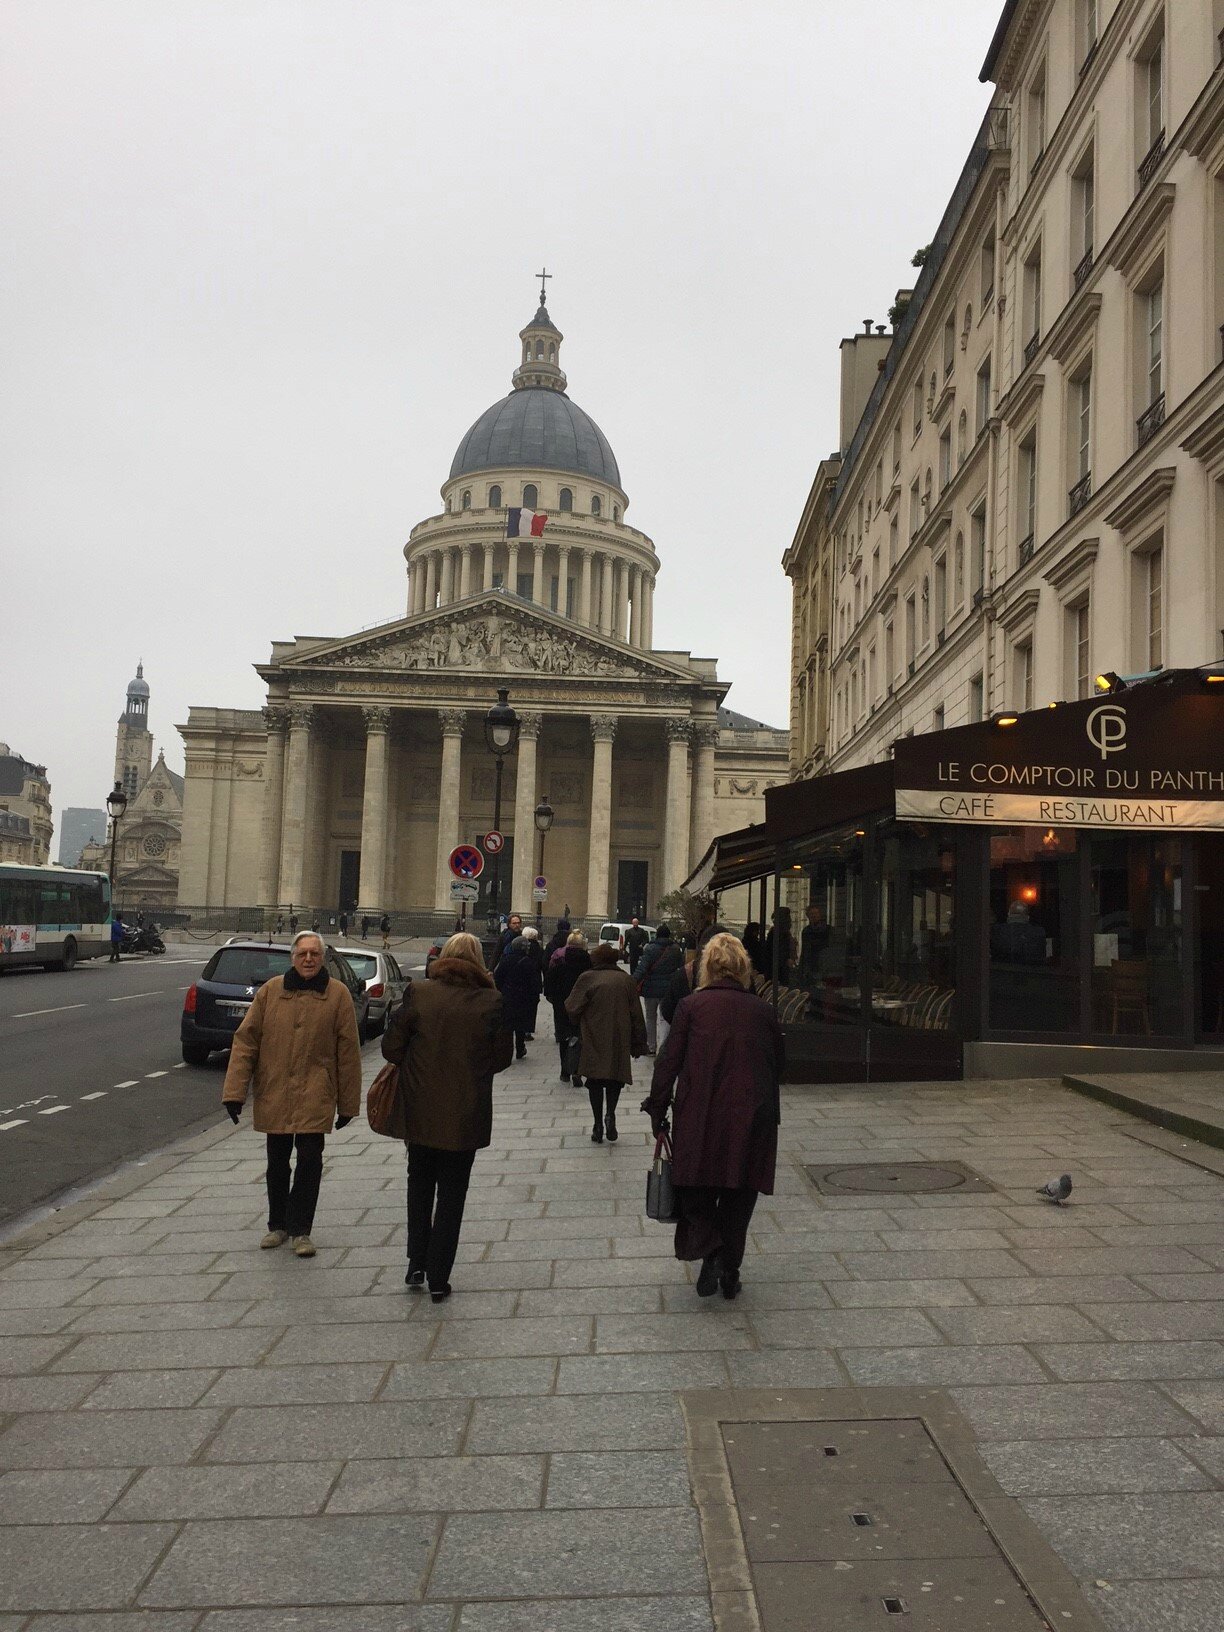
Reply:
x=1057 y=1190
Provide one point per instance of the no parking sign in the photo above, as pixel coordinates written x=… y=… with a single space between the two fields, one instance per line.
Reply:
x=466 y=861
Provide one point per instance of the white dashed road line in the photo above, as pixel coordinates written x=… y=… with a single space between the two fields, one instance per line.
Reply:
x=18 y=1122
x=53 y=1110
x=128 y=996
x=101 y=1094
x=149 y=1074
x=131 y=1084
x=62 y=1009
x=181 y=1066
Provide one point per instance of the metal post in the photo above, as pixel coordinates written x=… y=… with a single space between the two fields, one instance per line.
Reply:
x=494 y=893
x=540 y=904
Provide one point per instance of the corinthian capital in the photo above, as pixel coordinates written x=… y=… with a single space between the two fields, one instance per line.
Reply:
x=376 y=720
x=678 y=729
x=705 y=733
x=603 y=727
x=276 y=718
x=301 y=716
x=451 y=720
x=530 y=724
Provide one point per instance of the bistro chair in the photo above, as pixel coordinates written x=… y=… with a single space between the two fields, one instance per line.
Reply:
x=1128 y=992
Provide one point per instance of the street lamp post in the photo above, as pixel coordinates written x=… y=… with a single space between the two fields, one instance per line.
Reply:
x=116 y=804
x=543 y=821
x=501 y=729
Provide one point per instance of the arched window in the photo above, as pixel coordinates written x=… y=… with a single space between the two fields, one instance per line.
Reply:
x=526 y=351
x=567 y=499
x=467 y=498
x=540 y=350
x=448 y=504
x=616 y=512
x=552 y=354
x=495 y=498
x=531 y=496
x=596 y=505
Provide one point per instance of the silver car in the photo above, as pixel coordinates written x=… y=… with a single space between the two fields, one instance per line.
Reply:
x=385 y=982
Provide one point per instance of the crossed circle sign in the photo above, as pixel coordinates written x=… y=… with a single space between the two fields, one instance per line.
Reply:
x=466 y=861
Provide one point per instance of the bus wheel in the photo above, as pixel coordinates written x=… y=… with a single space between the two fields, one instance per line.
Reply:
x=69 y=959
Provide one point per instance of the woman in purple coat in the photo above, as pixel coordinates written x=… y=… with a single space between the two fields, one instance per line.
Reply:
x=724 y=1058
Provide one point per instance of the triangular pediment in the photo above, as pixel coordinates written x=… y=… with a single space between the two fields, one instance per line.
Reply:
x=491 y=633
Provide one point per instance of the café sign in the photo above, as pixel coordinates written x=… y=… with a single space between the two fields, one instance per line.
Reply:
x=1149 y=758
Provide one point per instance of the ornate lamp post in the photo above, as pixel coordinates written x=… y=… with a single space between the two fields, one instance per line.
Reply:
x=543 y=820
x=116 y=804
x=501 y=728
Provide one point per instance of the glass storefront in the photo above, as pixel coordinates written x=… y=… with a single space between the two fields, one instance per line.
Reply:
x=1034 y=936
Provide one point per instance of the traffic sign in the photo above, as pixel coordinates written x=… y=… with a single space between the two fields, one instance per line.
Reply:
x=463 y=889
x=541 y=882
x=539 y=894
x=466 y=861
x=494 y=843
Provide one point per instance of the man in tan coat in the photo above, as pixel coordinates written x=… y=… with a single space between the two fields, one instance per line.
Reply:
x=298 y=1050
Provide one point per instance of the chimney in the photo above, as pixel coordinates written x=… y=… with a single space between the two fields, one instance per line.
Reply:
x=862 y=357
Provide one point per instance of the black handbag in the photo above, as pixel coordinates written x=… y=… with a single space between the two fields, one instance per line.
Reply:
x=660 y=1191
x=572 y=1058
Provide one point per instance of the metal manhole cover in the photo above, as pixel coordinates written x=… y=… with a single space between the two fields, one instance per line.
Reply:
x=897 y=1178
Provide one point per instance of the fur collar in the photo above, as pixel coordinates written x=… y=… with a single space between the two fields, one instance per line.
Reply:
x=459 y=972
x=605 y=956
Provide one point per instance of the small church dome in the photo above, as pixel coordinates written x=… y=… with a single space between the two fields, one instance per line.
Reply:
x=139 y=687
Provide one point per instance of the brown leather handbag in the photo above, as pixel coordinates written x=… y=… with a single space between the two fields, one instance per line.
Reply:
x=385 y=1104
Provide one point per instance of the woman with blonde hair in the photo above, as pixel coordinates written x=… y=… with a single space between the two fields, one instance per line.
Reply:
x=723 y=1058
x=448 y=1038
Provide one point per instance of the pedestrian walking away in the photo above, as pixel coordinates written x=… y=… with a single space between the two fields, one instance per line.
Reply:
x=449 y=1037
x=658 y=965
x=567 y=963
x=560 y=936
x=520 y=983
x=384 y=924
x=116 y=938
x=365 y=926
x=298 y=1053
x=723 y=1061
x=604 y=1005
x=343 y=924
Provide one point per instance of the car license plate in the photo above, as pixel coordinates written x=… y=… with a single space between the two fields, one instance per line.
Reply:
x=233 y=1008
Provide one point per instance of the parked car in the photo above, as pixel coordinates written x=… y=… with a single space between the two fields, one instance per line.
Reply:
x=385 y=982
x=215 y=1004
x=613 y=934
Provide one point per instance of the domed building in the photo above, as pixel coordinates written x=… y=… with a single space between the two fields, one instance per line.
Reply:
x=369 y=762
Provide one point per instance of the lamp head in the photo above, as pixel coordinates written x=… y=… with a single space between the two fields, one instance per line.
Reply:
x=501 y=725
x=116 y=802
x=544 y=815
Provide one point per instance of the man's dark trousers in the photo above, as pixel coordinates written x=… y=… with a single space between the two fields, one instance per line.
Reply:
x=292 y=1207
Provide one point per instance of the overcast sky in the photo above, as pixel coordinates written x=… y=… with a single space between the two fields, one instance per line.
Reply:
x=264 y=261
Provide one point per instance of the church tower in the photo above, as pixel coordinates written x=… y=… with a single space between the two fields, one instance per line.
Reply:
x=133 y=739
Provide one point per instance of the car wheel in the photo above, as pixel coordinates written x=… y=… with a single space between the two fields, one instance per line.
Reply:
x=196 y=1053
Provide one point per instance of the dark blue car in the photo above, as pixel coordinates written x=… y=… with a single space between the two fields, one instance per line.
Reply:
x=215 y=1006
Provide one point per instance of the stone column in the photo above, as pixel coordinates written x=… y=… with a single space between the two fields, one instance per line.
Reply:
x=524 y=813
x=606 y=612
x=431 y=581
x=603 y=730
x=451 y=720
x=705 y=741
x=635 y=606
x=296 y=791
x=676 y=828
x=563 y=579
x=447 y=593
x=512 y=566
x=373 y=882
x=410 y=598
x=622 y=600
x=465 y=571
x=648 y=613
x=277 y=722
x=537 y=573
x=584 y=588
x=487 y=582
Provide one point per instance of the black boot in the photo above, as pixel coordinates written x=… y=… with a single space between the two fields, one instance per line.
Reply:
x=595 y=1095
x=707 y=1281
x=730 y=1284
x=610 y=1124
x=613 y=1100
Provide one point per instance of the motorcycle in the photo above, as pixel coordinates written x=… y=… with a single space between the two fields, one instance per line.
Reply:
x=146 y=938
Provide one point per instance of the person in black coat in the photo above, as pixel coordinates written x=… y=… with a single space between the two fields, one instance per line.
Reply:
x=558 y=942
x=519 y=981
x=559 y=981
x=754 y=945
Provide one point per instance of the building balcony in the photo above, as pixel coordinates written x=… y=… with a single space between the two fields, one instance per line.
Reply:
x=1025 y=553
x=1030 y=348
x=1151 y=160
x=1079 y=495
x=1151 y=420
x=1082 y=271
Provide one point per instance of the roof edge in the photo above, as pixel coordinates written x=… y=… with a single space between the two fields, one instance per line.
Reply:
x=996 y=45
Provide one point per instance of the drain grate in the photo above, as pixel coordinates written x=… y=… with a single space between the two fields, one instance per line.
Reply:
x=897 y=1178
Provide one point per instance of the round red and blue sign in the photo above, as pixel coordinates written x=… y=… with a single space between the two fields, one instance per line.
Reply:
x=466 y=861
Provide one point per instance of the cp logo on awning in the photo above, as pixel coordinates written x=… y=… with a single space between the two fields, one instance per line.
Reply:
x=1106 y=728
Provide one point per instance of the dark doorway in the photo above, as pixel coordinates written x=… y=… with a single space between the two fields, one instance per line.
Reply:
x=350 y=881
x=505 y=872
x=632 y=882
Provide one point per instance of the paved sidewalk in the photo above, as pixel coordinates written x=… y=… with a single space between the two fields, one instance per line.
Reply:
x=199 y=1437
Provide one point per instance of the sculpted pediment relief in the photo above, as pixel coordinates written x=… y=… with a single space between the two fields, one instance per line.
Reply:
x=495 y=638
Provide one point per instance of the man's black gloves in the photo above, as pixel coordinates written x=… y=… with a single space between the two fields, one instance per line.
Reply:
x=342 y=1122
x=234 y=1109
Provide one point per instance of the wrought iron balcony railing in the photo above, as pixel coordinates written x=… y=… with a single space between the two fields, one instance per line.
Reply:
x=1025 y=552
x=1151 y=420
x=1030 y=348
x=1080 y=493
x=1083 y=269
x=1151 y=160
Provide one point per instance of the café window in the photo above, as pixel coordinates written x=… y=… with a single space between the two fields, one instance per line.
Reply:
x=1136 y=907
x=1033 y=945
x=828 y=946
x=913 y=975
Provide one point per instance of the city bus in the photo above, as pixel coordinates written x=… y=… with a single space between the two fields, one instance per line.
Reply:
x=52 y=915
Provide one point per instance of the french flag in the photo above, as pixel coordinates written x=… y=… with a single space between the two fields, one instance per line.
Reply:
x=525 y=523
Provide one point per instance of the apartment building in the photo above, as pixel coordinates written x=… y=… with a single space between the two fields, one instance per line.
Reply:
x=1033 y=494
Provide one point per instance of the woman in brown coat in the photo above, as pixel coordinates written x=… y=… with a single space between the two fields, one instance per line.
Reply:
x=724 y=1057
x=448 y=1037
x=298 y=1050
x=604 y=1004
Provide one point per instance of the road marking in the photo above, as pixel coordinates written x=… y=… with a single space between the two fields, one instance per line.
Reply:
x=156 y=1074
x=181 y=1066
x=131 y=1084
x=53 y=1110
x=130 y=995
x=62 y=1009
x=101 y=1094
x=19 y=1122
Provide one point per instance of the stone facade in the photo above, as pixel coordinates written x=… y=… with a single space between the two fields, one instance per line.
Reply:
x=1035 y=492
x=25 y=794
x=368 y=763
